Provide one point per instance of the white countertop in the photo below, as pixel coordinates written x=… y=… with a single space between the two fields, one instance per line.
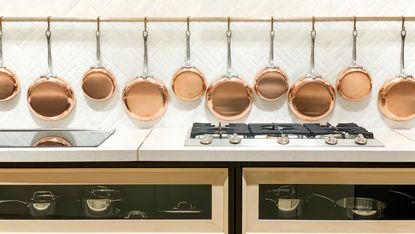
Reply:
x=169 y=145
x=122 y=145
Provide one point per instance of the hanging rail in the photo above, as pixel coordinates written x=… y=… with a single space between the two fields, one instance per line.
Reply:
x=207 y=19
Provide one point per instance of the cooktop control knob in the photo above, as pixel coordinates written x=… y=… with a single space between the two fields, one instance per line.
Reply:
x=360 y=140
x=206 y=139
x=283 y=140
x=331 y=140
x=234 y=139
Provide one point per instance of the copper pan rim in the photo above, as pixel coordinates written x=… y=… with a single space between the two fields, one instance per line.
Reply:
x=108 y=74
x=52 y=139
x=68 y=92
x=248 y=93
x=162 y=91
x=354 y=94
x=14 y=80
x=196 y=72
x=260 y=75
x=385 y=92
x=295 y=89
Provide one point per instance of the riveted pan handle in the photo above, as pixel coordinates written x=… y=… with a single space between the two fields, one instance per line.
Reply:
x=187 y=61
x=354 y=54
x=1 y=41
x=98 y=42
x=313 y=34
x=145 y=59
x=403 y=36
x=229 y=54
x=271 y=44
x=48 y=34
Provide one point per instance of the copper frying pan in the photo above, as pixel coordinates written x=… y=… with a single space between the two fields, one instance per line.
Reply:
x=49 y=96
x=229 y=97
x=9 y=83
x=354 y=83
x=145 y=97
x=52 y=141
x=98 y=83
x=271 y=83
x=188 y=82
x=396 y=98
x=312 y=97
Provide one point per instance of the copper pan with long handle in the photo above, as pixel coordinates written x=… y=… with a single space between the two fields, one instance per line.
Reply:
x=50 y=97
x=98 y=83
x=396 y=98
x=229 y=97
x=312 y=97
x=271 y=82
x=145 y=97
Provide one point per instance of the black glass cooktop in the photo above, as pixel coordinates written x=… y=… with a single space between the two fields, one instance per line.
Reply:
x=53 y=137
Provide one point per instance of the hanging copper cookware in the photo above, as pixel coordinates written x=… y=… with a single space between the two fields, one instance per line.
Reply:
x=354 y=83
x=49 y=96
x=9 y=83
x=188 y=82
x=312 y=97
x=98 y=83
x=145 y=97
x=271 y=83
x=396 y=98
x=229 y=97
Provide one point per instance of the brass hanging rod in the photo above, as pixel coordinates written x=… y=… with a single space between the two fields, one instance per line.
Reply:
x=208 y=19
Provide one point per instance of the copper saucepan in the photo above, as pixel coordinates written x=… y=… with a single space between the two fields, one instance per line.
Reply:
x=271 y=83
x=312 y=97
x=188 y=82
x=354 y=83
x=98 y=83
x=229 y=97
x=145 y=97
x=9 y=83
x=49 y=96
x=396 y=98
x=52 y=141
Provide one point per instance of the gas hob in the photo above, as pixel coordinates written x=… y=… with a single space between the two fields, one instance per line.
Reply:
x=281 y=135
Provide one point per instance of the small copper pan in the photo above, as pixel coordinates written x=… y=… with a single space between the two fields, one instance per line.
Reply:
x=9 y=83
x=312 y=97
x=188 y=82
x=396 y=98
x=52 y=141
x=49 y=96
x=229 y=97
x=145 y=97
x=271 y=83
x=98 y=83
x=354 y=83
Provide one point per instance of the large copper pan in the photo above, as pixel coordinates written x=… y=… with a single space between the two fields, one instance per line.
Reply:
x=312 y=97
x=188 y=83
x=98 y=83
x=145 y=97
x=9 y=83
x=271 y=82
x=49 y=96
x=396 y=98
x=355 y=82
x=229 y=97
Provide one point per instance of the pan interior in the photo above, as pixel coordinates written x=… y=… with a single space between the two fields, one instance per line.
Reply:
x=145 y=99
x=50 y=99
x=271 y=85
x=230 y=99
x=189 y=85
x=98 y=84
x=313 y=99
x=355 y=85
x=8 y=85
x=399 y=99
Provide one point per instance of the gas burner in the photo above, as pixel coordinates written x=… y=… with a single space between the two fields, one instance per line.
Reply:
x=206 y=132
x=277 y=129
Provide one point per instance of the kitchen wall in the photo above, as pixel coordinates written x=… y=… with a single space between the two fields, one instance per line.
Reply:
x=74 y=51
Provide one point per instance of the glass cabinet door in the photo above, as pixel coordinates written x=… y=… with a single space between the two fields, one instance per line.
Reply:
x=140 y=200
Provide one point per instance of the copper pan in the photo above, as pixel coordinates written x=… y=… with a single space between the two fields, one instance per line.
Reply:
x=52 y=141
x=229 y=97
x=145 y=97
x=355 y=82
x=9 y=83
x=396 y=98
x=188 y=82
x=271 y=82
x=98 y=83
x=49 y=96
x=312 y=97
